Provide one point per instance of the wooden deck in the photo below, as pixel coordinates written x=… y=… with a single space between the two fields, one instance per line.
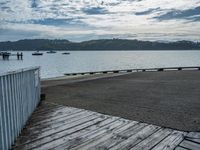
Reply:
x=59 y=127
x=191 y=141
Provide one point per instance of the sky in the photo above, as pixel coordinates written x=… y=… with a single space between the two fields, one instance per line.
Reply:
x=81 y=20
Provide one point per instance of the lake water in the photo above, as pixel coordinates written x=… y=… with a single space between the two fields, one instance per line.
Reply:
x=53 y=65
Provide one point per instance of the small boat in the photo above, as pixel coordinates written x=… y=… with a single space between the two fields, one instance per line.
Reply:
x=66 y=53
x=51 y=52
x=37 y=53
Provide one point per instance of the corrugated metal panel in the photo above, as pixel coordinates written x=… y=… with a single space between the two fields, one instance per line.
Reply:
x=19 y=96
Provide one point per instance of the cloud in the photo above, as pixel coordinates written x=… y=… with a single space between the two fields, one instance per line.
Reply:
x=86 y=19
x=146 y=12
x=65 y=22
x=94 y=10
x=34 y=3
x=181 y=14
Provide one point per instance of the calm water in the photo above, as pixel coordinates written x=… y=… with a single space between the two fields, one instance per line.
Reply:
x=53 y=65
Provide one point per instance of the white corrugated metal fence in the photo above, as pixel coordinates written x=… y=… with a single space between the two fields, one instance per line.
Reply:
x=19 y=96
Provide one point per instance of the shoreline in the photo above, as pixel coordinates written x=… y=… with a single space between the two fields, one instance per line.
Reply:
x=78 y=78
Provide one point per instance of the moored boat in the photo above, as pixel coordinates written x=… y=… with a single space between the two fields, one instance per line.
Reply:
x=66 y=53
x=37 y=53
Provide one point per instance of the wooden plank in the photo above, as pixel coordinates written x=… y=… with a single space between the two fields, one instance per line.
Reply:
x=193 y=139
x=46 y=117
x=49 y=109
x=99 y=132
x=72 y=128
x=96 y=143
x=137 y=137
x=195 y=135
x=56 y=134
x=153 y=140
x=51 y=113
x=118 y=137
x=51 y=119
x=92 y=139
x=65 y=119
x=180 y=148
x=77 y=137
x=45 y=128
x=42 y=109
x=171 y=141
x=58 y=129
x=34 y=115
x=57 y=120
x=190 y=145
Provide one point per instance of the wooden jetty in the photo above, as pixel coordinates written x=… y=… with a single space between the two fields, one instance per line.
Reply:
x=7 y=55
x=60 y=127
x=133 y=70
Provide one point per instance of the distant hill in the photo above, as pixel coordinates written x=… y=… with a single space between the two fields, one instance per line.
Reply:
x=103 y=44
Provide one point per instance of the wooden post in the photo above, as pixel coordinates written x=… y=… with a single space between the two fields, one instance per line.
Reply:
x=18 y=56
x=160 y=69
x=21 y=55
x=116 y=71
x=180 y=69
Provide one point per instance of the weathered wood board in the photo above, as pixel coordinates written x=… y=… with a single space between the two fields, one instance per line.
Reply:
x=59 y=127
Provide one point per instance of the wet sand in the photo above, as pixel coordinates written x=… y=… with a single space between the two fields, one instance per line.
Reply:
x=170 y=99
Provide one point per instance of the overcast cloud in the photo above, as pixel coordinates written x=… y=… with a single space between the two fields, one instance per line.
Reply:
x=77 y=20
